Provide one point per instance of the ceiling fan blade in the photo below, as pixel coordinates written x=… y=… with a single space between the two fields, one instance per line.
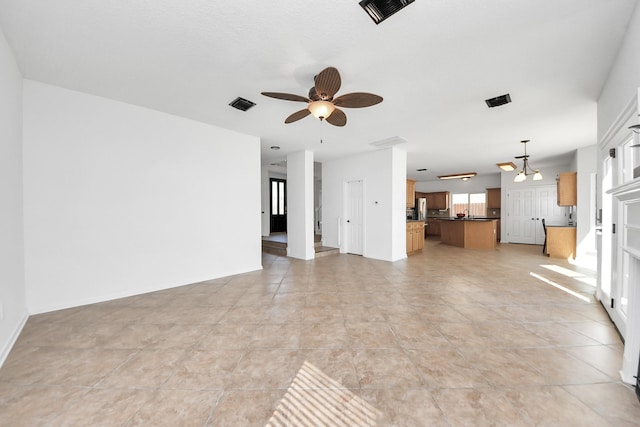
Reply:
x=286 y=96
x=327 y=83
x=337 y=118
x=357 y=100
x=297 y=116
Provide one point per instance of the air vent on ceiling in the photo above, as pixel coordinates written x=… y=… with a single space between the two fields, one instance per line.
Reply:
x=388 y=142
x=379 y=10
x=498 y=100
x=242 y=104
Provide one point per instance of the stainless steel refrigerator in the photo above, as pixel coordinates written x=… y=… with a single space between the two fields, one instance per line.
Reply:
x=421 y=209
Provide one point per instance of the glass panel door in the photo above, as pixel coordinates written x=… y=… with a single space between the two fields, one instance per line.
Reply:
x=278 y=205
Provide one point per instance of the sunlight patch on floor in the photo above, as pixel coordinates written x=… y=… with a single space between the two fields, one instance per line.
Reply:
x=580 y=277
x=316 y=399
x=562 y=288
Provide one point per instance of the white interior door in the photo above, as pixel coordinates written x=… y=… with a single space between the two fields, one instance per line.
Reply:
x=526 y=209
x=354 y=218
x=547 y=208
x=520 y=211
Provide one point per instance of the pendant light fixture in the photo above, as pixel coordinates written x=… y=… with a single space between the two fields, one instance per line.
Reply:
x=526 y=169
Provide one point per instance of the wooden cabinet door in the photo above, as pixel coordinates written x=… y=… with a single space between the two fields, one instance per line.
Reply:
x=433 y=227
x=418 y=236
x=568 y=189
x=438 y=200
x=493 y=198
x=430 y=204
x=411 y=193
x=409 y=238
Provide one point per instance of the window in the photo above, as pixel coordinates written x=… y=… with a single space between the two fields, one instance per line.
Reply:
x=472 y=204
x=278 y=197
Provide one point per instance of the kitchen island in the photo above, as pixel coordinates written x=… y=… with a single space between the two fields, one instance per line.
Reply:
x=469 y=233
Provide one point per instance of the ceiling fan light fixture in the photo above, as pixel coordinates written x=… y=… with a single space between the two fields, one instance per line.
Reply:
x=463 y=176
x=321 y=109
x=507 y=166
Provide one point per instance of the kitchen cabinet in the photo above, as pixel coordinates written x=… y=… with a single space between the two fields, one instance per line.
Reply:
x=561 y=242
x=411 y=193
x=568 y=189
x=433 y=227
x=415 y=236
x=493 y=198
x=438 y=200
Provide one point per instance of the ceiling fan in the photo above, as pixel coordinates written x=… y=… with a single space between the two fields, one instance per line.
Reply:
x=321 y=102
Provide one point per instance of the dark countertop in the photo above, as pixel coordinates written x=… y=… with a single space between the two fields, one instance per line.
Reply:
x=415 y=220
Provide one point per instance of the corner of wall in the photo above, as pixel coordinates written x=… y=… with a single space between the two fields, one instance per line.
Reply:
x=13 y=337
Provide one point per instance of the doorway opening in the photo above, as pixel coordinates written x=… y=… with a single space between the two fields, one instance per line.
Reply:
x=278 y=209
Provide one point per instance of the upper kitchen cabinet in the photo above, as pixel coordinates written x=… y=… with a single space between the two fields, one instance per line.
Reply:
x=438 y=200
x=493 y=198
x=411 y=193
x=568 y=189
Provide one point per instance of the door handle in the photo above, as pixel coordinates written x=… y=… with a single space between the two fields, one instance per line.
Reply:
x=348 y=221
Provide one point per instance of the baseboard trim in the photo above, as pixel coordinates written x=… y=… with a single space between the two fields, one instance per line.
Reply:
x=12 y=340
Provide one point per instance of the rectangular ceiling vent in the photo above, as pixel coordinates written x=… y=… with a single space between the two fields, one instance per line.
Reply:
x=379 y=10
x=498 y=100
x=389 y=142
x=242 y=104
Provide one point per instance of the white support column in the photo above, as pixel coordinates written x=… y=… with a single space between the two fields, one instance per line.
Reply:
x=300 y=242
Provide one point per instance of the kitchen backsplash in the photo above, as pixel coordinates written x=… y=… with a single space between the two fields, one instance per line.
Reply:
x=493 y=213
x=438 y=213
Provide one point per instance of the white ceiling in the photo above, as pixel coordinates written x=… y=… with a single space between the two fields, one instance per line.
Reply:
x=434 y=63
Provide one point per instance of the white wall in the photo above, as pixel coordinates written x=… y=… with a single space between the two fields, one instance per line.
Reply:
x=383 y=174
x=12 y=283
x=300 y=205
x=398 y=204
x=121 y=200
x=624 y=79
x=478 y=184
x=586 y=166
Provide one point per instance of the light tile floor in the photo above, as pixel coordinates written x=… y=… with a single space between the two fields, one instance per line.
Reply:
x=449 y=337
